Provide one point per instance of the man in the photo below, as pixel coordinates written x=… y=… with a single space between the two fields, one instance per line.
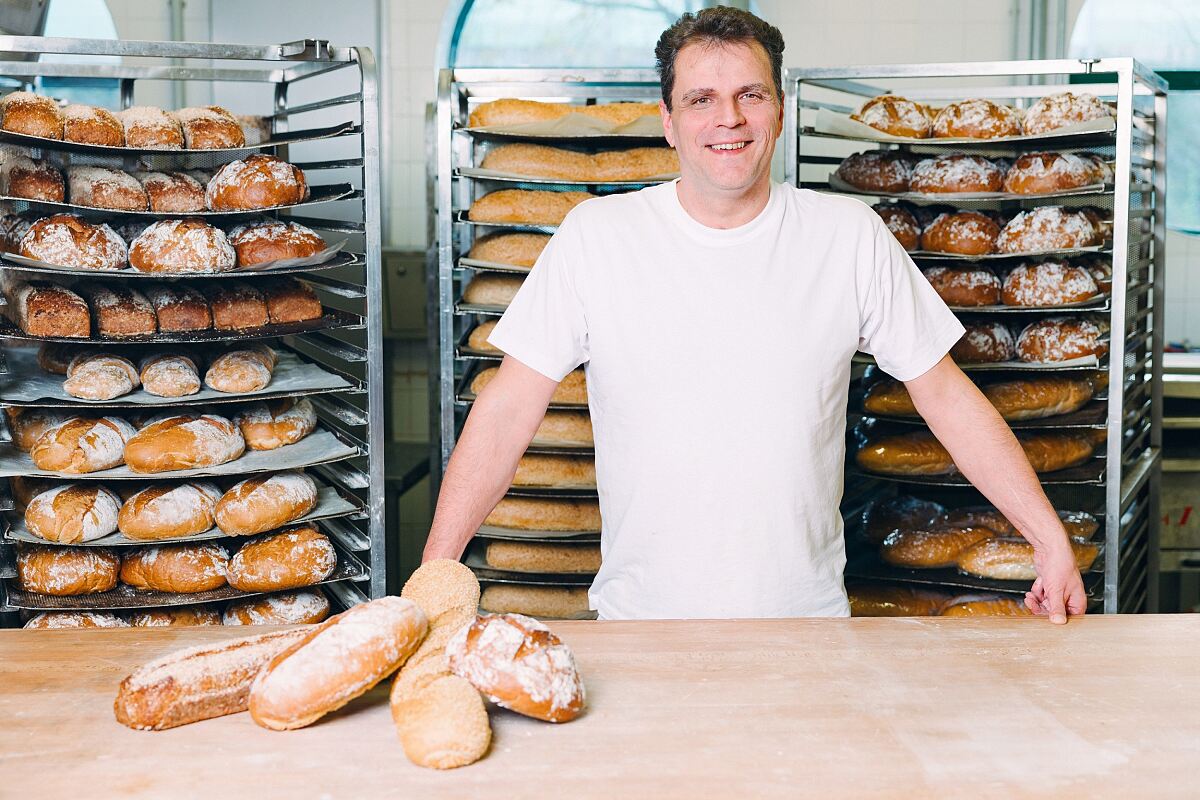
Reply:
x=717 y=316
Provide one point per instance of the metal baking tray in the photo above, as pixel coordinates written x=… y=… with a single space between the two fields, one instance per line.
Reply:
x=348 y=568
x=837 y=125
x=869 y=565
x=317 y=195
x=461 y=218
x=8 y=569
x=319 y=447
x=330 y=504
x=1089 y=473
x=517 y=536
x=1094 y=414
x=475 y=560
x=496 y=532
x=330 y=258
x=332 y=318
x=28 y=385
x=1087 y=363
x=491 y=266
x=836 y=184
x=276 y=140
x=570 y=493
x=480 y=174
x=930 y=255
x=487 y=310
x=1099 y=303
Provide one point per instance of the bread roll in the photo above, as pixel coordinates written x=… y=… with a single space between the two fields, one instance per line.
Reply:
x=1038 y=398
x=92 y=125
x=265 y=502
x=572 y=389
x=562 y=428
x=956 y=172
x=314 y=676
x=101 y=187
x=236 y=305
x=42 y=309
x=545 y=514
x=69 y=241
x=884 y=171
x=902 y=223
x=539 y=161
x=886 y=515
x=302 y=607
x=273 y=240
x=169 y=511
x=170 y=375
x=177 y=568
x=180 y=246
x=33 y=180
x=289 y=300
x=1058 y=110
x=514 y=249
x=525 y=206
x=172 y=192
x=286 y=560
x=119 y=311
x=929 y=549
x=519 y=664
x=30 y=114
x=150 y=128
x=178 y=308
x=964 y=286
x=241 y=371
x=73 y=513
x=1048 y=284
x=258 y=181
x=100 y=376
x=915 y=453
x=266 y=426
x=186 y=441
x=197 y=683
x=896 y=116
x=967 y=233
x=511 y=111
x=893 y=600
x=984 y=605
x=66 y=571
x=79 y=446
x=542 y=557
x=181 y=617
x=556 y=471
x=57 y=620
x=562 y=602
x=32 y=423
x=492 y=289
x=976 y=119
x=210 y=128
x=1012 y=559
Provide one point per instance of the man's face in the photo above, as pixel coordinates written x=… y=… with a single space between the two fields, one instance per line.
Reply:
x=725 y=116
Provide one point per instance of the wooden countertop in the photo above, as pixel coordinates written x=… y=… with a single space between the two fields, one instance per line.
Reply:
x=1107 y=706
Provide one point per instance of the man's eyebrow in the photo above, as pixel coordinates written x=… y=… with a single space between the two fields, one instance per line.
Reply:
x=695 y=94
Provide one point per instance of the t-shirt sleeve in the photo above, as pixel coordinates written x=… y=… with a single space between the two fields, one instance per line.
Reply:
x=545 y=327
x=902 y=321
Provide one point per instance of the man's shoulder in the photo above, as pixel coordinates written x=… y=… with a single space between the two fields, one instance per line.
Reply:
x=615 y=206
x=831 y=206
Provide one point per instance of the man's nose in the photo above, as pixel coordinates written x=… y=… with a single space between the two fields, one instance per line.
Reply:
x=729 y=113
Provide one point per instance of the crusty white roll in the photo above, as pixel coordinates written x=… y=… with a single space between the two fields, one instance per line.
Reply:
x=78 y=445
x=169 y=375
x=289 y=559
x=197 y=683
x=186 y=441
x=73 y=513
x=335 y=662
x=100 y=376
x=177 y=568
x=66 y=571
x=265 y=502
x=266 y=426
x=301 y=607
x=519 y=664
x=169 y=511
x=241 y=371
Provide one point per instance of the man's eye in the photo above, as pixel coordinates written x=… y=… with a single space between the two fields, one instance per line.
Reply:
x=752 y=96
x=699 y=101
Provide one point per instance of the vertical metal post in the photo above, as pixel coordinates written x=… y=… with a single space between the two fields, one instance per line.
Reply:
x=1159 y=263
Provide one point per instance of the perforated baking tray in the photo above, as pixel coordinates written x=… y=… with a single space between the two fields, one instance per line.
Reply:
x=840 y=186
x=519 y=536
x=332 y=318
x=497 y=532
x=328 y=258
x=487 y=310
x=319 y=447
x=317 y=195
x=1100 y=303
x=27 y=384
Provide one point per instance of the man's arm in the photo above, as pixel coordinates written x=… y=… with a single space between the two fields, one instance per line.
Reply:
x=986 y=452
x=500 y=426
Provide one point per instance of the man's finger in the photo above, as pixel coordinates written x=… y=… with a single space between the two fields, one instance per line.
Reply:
x=1058 y=610
x=1077 y=601
x=1032 y=604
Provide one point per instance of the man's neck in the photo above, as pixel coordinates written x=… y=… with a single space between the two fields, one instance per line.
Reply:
x=723 y=210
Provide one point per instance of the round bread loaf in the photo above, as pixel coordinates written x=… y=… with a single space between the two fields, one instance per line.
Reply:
x=68 y=241
x=66 y=571
x=985 y=605
x=1047 y=284
x=1043 y=173
x=101 y=187
x=1038 y=398
x=31 y=114
x=172 y=192
x=302 y=607
x=31 y=423
x=914 y=453
x=967 y=233
x=984 y=343
x=1012 y=559
x=556 y=471
x=904 y=511
x=150 y=128
x=79 y=445
x=1050 y=451
x=558 y=602
x=514 y=249
x=276 y=423
x=92 y=125
x=929 y=549
x=542 y=557
x=492 y=289
x=265 y=502
x=964 y=286
x=572 y=389
x=56 y=620
x=902 y=223
x=289 y=559
x=545 y=514
x=896 y=116
x=210 y=128
x=893 y=600
x=181 y=617
x=182 y=245
x=169 y=511
x=34 y=180
x=1060 y=339
x=956 y=172
x=258 y=181
x=525 y=206
x=241 y=371
x=519 y=664
x=176 y=568
x=100 y=376
x=186 y=441
x=562 y=428
x=1058 y=110
x=273 y=240
x=1048 y=228
x=886 y=171
x=976 y=119
x=73 y=513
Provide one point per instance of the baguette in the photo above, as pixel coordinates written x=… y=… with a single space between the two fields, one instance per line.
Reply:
x=1012 y=559
x=525 y=206
x=929 y=549
x=197 y=683
x=915 y=453
x=513 y=111
x=539 y=161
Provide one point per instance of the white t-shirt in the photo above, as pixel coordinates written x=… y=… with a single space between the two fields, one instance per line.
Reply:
x=718 y=366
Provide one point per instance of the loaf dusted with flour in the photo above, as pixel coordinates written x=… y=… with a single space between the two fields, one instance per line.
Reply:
x=42 y=309
x=526 y=206
x=92 y=125
x=562 y=602
x=301 y=607
x=185 y=441
x=180 y=617
x=102 y=187
x=70 y=241
x=79 y=445
x=169 y=511
x=169 y=375
x=258 y=181
x=119 y=311
x=66 y=571
x=209 y=128
x=172 y=192
x=100 y=376
x=150 y=128
x=265 y=502
x=182 y=245
x=513 y=111
x=241 y=371
x=59 y=620
x=31 y=114
x=273 y=424
x=73 y=513
x=179 y=568
x=286 y=560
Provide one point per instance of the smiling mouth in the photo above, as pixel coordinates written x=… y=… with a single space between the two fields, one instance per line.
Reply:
x=728 y=146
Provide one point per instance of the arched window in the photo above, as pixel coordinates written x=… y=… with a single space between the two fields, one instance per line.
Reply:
x=559 y=33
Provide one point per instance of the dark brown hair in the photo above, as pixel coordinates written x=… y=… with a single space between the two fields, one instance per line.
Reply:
x=718 y=25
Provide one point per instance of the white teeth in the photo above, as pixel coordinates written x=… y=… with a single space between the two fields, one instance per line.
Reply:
x=733 y=146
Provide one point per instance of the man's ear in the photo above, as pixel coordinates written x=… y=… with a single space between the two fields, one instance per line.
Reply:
x=665 y=114
x=779 y=121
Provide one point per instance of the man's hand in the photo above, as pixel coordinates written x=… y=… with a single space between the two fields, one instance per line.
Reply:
x=1058 y=590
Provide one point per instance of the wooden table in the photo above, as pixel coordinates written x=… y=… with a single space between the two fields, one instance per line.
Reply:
x=1107 y=706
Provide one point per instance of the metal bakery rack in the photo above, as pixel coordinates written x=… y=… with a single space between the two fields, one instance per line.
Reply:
x=1121 y=485
x=456 y=182
x=337 y=360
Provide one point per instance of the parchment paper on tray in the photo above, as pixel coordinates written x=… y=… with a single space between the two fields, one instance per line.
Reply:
x=497 y=175
x=1071 y=363
x=647 y=126
x=1072 y=251
x=839 y=185
x=129 y=272
x=26 y=382
x=319 y=447
x=330 y=504
x=837 y=124
x=323 y=193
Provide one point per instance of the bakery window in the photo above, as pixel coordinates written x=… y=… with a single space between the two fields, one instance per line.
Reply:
x=88 y=19
x=560 y=33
